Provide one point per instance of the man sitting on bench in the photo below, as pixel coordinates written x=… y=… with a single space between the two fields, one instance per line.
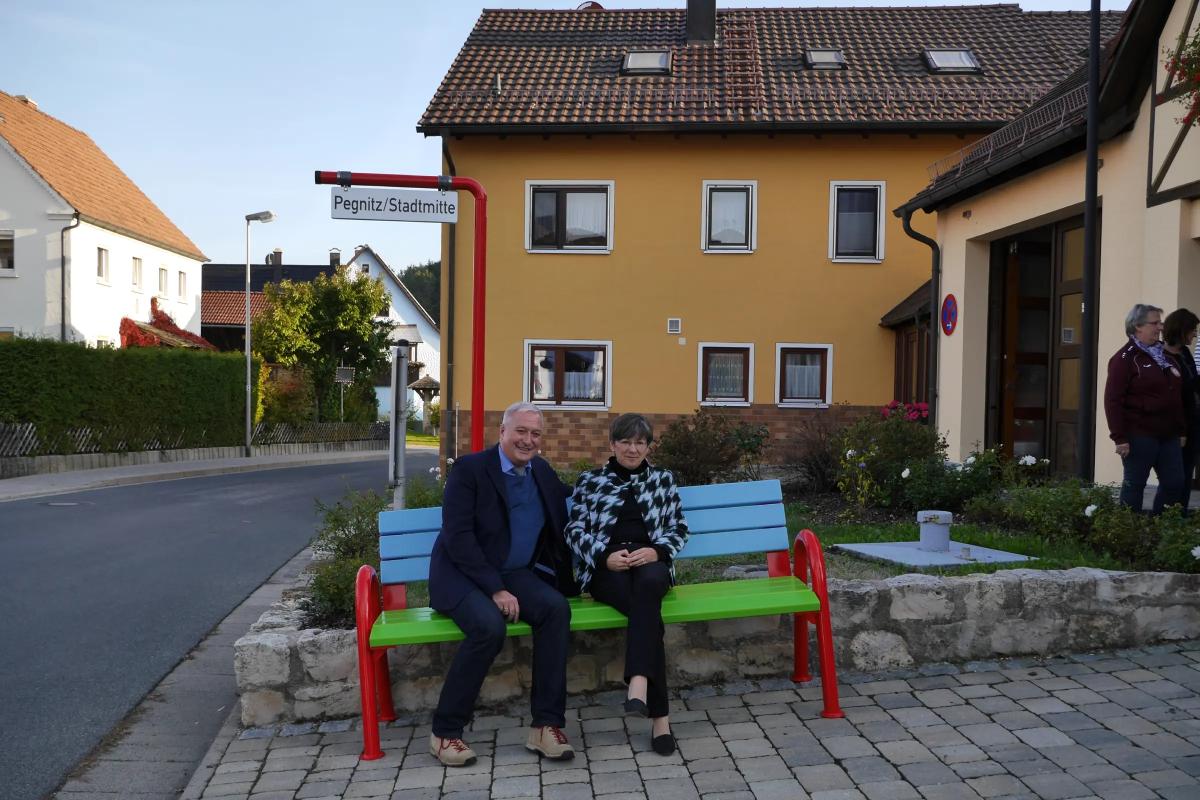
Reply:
x=499 y=557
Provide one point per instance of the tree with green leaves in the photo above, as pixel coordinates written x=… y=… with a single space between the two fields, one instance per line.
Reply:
x=332 y=322
x=425 y=283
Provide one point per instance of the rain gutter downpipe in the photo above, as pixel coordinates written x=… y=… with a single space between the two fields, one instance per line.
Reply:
x=1085 y=439
x=62 y=260
x=448 y=350
x=935 y=290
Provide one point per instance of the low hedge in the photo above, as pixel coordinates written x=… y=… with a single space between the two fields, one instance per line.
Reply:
x=190 y=398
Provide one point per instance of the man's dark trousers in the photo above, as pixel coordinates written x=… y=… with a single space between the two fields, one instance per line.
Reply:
x=547 y=612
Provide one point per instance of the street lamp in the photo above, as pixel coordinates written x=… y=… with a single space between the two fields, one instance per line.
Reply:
x=261 y=216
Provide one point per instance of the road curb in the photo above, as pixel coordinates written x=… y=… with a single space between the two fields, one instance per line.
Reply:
x=83 y=484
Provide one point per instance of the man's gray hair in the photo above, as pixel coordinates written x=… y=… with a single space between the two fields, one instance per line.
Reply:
x=1137 y=316
x=521 y=408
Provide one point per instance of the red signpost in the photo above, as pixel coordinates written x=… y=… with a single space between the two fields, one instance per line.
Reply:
x=478 y=317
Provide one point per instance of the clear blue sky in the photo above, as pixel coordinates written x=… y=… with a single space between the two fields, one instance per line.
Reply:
x=217 y=109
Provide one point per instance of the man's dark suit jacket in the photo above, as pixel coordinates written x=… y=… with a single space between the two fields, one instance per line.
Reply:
x=475 y=537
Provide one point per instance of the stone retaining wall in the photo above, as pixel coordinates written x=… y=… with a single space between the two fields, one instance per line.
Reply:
x=288 y=674
x=20 y=466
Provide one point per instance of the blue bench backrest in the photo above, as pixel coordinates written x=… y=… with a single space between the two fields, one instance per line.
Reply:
x=723 y=519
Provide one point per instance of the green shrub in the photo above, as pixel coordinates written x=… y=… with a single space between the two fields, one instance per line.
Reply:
x=1124 y=533
x=569 y=474
x=875 y=452
x=937 y=484
x=288 y=398
x=1052 y=510
x=1178 y=542
x=330 y=600
x=708 y=447
x=811 y=460
x=433 y=415
x=127 y=399
x=350 y=528
x=422 y=492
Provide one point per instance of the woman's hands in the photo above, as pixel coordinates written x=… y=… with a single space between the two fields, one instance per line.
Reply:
x=622 y=560
x=1123 y=449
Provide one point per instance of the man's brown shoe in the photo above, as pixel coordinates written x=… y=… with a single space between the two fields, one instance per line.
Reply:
x=451 y=752
x=550 y=742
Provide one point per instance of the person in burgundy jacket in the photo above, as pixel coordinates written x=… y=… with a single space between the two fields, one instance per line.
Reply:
x=1143 y=401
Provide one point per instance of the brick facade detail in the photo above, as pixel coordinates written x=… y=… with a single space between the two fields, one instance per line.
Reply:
x=573 y=436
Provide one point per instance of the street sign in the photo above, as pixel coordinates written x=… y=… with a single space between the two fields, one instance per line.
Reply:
x=344 y=375
x=393 y=205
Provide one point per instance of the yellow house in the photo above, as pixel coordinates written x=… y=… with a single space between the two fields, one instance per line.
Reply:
x=688 y=208
x=1009 y=226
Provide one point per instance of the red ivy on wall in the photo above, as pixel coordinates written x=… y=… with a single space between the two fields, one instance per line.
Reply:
x=134 y=336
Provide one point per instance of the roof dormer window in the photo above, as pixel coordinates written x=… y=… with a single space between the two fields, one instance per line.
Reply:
x=956 y=59
x=824 y=58
x=647 y=62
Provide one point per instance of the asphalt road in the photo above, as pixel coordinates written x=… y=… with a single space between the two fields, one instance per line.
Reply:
x=103 y=592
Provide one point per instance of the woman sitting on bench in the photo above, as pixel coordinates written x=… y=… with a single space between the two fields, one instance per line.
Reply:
x=626 y=526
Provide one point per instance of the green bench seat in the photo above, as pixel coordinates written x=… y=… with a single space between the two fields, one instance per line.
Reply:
x=723 y=519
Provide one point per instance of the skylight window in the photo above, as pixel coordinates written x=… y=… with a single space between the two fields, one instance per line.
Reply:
x=647 y=62
x=824 y=58
x=958 y=59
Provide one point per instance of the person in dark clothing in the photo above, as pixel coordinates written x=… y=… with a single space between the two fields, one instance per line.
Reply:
x=1143 y=402
x=626 y=527
x=500 y=557
x=1179 y=341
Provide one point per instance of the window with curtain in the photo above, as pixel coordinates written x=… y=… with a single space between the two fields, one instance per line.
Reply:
x=855 y=222
x=729 y=216
x=803 y=373
x=568 y=373
x=563 y=218
x=725 y=374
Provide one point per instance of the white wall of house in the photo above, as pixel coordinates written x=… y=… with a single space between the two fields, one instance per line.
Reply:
x=30 y=292
x=32 y=214
x=97 y=305
x=403 y=311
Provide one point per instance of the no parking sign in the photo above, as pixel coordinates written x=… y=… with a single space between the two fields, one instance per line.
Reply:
x=949 y=314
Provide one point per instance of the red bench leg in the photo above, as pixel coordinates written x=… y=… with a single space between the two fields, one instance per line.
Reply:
x=800 y=671
x=366 y=611
x=383 y=685
x=808 y=552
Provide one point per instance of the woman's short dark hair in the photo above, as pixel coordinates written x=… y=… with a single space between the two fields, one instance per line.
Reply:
x=631 y=426
x=1178 y=324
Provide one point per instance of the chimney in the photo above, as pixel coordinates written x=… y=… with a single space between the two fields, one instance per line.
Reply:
x=276 y=262
x=335 y=257
x=27 y=100
x=701 y=21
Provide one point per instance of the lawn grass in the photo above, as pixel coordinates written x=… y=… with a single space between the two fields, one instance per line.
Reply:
x=421 y=439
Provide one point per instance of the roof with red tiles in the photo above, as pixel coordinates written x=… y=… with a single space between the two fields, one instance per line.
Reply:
x=561 y=70
x=229 y=308
x=78 y=170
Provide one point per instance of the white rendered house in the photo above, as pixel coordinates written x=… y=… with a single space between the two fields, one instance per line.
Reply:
x=403 y=309
x=80 y=245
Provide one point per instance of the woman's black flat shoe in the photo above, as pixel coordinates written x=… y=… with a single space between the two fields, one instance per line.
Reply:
x=663 y=745
x=636 y=708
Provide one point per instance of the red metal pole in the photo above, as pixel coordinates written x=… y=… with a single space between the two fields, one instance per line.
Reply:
x=479 y=315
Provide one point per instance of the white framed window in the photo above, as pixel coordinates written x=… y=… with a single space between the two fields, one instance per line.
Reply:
x=803 y=375
x=568 y=373
x=569 y=216
x=729 y=217
x=104 y=341
x=162 y=281
x=182 y=285
x=8 y=252
x=856 y=221
x=101 y=265
x=136 y=275
x=725 y=373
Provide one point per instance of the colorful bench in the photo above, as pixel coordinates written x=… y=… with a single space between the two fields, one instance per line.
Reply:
x=724 y=519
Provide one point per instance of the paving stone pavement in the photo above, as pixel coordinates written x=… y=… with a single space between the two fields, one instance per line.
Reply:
x=1120 y=725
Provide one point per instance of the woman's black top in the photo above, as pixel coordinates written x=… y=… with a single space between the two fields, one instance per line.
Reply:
x=1191 y=387
x=629 y=532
